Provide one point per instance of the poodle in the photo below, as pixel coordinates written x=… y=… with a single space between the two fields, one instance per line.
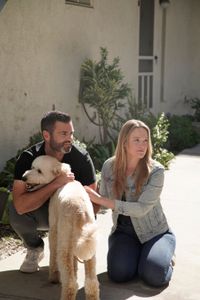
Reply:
x=72 y=229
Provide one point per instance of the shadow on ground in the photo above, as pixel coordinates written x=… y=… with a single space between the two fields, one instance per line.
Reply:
x=194 y=151
x=15 y=285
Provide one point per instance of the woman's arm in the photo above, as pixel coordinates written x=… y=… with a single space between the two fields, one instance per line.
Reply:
x=148 y=198
x=98 y=199
x=96 y=207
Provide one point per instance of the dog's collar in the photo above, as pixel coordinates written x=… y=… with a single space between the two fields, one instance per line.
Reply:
x=33 y=188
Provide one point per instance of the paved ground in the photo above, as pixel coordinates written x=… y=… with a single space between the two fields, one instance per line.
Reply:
x=181 y=201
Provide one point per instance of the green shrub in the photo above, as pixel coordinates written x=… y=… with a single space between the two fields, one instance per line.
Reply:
x=164 y=157
x=181 y=133
x=103 y=90
x=99 y=153
x=6 y=176
x=195 y=104
x=159 y=138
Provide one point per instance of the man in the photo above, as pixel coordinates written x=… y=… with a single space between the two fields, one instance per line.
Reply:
x=29 y=210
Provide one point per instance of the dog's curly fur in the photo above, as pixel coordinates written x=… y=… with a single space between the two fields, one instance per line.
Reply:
x=72 y=229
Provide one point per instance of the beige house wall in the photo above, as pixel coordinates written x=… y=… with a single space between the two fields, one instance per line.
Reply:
x=44 y=42
x=182 y=63
x=195 y=50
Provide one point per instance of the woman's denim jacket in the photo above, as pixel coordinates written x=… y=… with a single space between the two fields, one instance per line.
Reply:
x=145 y=210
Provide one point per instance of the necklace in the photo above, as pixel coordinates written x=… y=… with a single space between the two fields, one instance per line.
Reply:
x=130 y=172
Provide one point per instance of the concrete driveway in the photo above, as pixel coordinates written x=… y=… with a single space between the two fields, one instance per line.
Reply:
x=181 y=202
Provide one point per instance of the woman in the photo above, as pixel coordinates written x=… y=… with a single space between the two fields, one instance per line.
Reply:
x=141 y=242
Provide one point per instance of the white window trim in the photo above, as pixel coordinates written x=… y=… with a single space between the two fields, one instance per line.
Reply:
x=78 y=3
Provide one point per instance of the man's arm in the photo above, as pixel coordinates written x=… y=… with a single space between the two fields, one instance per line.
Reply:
x=25 y=201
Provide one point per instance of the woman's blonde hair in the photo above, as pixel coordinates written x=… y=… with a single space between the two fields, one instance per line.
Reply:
x=120 y=161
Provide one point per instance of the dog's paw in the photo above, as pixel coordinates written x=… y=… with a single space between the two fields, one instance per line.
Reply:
x=54 y=277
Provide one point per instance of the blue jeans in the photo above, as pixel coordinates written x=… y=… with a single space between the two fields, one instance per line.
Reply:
x=127 y=257
x=28 y=225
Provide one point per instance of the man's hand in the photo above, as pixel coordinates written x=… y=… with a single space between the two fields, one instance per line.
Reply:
x=25 y=201
x=63 y=179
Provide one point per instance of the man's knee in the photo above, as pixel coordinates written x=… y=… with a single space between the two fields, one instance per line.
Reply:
x=13 y=215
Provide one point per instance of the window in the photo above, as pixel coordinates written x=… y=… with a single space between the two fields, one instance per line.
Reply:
x=86 y=3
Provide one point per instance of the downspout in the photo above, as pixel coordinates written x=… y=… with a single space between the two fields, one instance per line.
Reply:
x=164 y=4
x=2 y=3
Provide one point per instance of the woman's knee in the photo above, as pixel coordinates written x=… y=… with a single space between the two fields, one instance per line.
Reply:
x=120 y=273
x=155 y=266
x=123 y=255
x=121 y=267
x=154 y=274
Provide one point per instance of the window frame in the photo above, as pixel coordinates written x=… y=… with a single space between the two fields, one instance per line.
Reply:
x=79 y=3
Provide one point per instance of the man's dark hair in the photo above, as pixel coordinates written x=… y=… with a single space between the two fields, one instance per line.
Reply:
x=50 y=118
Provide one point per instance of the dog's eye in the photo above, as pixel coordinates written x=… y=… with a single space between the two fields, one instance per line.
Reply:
x=39 y=171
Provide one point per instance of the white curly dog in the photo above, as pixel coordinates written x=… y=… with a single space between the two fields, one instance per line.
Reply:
x=72 y=229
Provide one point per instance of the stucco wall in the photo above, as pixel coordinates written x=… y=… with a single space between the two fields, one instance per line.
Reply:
x=195 y=50
x=182 y=55
x=43 y=44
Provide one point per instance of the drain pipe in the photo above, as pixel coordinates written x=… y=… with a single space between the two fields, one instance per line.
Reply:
x=2 y=3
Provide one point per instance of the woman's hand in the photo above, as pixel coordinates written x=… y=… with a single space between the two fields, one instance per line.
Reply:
x=94 y=196
x=98 y=199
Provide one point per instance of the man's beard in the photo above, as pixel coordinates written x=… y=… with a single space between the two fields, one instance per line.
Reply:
x=61 y=147
x=66 y=149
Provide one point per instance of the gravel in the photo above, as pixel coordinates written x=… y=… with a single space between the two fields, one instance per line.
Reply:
x=9 y=242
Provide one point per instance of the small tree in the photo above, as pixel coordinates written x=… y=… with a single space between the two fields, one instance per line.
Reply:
x=102 y=89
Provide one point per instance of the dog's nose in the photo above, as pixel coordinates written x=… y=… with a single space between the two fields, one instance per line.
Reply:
x=24 y=178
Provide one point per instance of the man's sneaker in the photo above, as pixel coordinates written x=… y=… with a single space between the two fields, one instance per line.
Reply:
x=32 y=259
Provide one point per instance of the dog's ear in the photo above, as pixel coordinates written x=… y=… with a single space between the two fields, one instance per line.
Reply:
x=56 y=170
x=66 y=168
